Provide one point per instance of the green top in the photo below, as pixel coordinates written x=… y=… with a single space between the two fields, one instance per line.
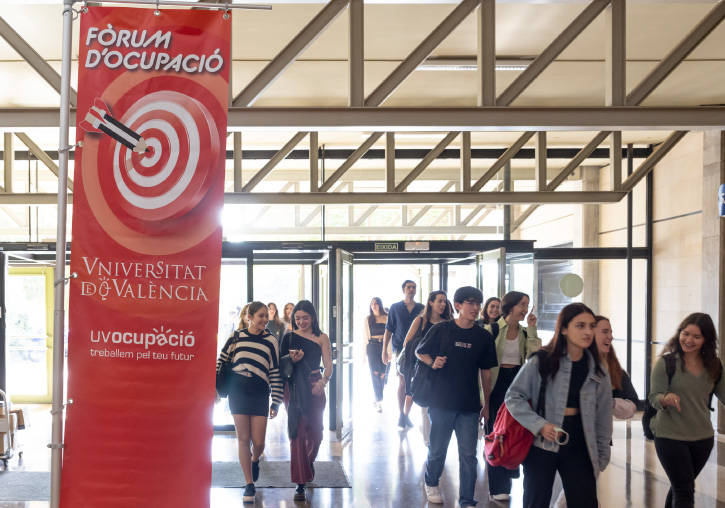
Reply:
x=528 y=343
x=693 y=422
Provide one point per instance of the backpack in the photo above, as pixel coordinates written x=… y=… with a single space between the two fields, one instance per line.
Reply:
x=509 y=442
x=650 y=411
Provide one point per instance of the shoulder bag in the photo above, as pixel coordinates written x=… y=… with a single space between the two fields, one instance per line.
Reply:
x=422 y=385
x=509 y=443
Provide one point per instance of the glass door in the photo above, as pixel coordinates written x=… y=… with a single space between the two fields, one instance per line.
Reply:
x=232 y=297
x=30 y=334
x=341 y=337
x=491 y=272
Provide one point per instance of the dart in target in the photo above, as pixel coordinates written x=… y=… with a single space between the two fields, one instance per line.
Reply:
x=99 y=120
x=170 y=174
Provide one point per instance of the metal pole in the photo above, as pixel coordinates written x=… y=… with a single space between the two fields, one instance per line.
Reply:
x=630 y=208
x=649 y=299
x=181 y=3
x=56 y=454
x=507 y=208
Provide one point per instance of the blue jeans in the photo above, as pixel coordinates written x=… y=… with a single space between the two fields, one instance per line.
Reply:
x=442 y=424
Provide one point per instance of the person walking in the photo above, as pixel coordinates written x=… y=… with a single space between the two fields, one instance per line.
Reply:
x=254 y=356
x=682 y=427
x=275 y=325
x=400 y=317
x=623 y=393
x=243 y=317
x=514 y=345
x=490 y=312
x=461 y=355
x=287 y=315
x=573 y=430
x=304 y=396
x=624 y=397
x=436 y=311
x=373 y=331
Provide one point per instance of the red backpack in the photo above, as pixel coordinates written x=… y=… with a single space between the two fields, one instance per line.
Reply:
x=509 y=443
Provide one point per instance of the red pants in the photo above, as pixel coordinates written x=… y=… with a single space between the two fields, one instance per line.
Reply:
x=304 y=448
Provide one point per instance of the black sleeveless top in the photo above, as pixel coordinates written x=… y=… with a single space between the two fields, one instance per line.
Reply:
x=579 y=373
x=312 y=350
x=376 y=328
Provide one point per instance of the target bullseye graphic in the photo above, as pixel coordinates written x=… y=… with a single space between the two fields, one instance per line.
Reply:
x=166 y=180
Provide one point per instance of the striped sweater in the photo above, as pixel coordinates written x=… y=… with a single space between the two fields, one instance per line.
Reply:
x=256 y=354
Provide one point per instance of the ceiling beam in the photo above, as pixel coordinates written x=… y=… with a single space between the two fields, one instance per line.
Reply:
x=502 y=160
x=8 y=161
x=380 y=198
x=278 y=157
x=31 y=56
x=649 y=163
x=711 y=20
x=370 y=230
x=354 y=157
x=430 y=157
x=553 y=50
x=41 y=155
x=420 y=53
x=426 y=208
x=289 y=53
x=435 y=119
x=578 y=159
x=356 y=54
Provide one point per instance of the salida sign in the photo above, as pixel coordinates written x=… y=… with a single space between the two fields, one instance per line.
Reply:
x=149 y=177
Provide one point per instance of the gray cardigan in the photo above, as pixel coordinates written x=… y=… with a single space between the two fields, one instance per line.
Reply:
x=595 y=406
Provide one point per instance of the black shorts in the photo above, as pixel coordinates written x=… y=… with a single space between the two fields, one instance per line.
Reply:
x=248 y=396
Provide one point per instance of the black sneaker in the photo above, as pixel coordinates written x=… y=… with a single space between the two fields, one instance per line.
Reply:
x=249 y=493
x=255 y=471
x=300 y=493
x=407 y=421
x=401 y=420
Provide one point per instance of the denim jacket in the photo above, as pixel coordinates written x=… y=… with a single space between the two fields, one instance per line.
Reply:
x=595 y=406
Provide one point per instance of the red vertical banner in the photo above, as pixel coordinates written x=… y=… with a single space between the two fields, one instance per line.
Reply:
x=146 y=248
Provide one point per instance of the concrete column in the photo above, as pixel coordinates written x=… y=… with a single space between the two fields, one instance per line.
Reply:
x=713 y=239
x=589 y=231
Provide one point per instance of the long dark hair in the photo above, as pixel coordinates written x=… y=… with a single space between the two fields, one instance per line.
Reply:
x=276 y=318
x=511 y=300
x=554 y=350
x=371 y=317
x=306 y=306
x=484 y=311
x=446 y=315
x=613 y=365
x=709 y=347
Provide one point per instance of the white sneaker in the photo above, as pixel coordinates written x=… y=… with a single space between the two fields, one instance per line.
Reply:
x=433 y=494
x=378 y=407
x=500 y=497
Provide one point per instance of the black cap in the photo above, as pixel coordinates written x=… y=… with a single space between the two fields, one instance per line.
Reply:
x=468 y=293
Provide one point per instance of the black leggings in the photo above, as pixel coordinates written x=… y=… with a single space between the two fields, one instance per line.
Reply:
x=682 y=462
x=378 y=370
x=574 y=466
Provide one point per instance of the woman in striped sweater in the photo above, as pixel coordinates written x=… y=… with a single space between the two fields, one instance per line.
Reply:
x=254 y=355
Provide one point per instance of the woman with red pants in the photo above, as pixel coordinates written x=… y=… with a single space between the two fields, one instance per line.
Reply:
x=304 y=394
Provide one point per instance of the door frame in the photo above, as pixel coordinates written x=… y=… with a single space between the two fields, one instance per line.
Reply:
x=48 y=273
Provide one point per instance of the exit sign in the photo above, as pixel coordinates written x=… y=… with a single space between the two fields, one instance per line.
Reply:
x=386 y=246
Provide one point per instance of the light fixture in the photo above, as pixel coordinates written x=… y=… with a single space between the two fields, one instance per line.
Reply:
x=468 y=63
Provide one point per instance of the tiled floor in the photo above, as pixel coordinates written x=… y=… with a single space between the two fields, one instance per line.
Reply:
x=385 y=465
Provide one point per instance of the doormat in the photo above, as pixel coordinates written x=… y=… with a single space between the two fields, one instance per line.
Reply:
x=35 y=485
x=276 y=473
